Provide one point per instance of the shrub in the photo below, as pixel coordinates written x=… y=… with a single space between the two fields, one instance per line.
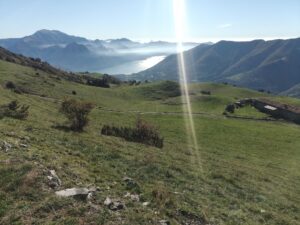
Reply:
x=74 y=93
x=14 y=110
x=18 y=90
x=143 y=133
x=77 y=113
x=230 y=108
x=206 y=92
x=162 y=197
x=111 y=79
x=98 y=82
x=10 y=85
x=132 y=82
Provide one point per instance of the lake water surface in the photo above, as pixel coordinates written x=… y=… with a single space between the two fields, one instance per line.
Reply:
x=134 y=66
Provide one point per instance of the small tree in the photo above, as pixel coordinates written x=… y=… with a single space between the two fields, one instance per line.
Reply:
x=14 y=110
x=77 y=113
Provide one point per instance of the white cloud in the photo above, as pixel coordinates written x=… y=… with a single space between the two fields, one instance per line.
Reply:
x=225 y=25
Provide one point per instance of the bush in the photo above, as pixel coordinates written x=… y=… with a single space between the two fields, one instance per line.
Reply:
x=111 y=79
x=206 y=92
x=77 y=113
x=230 y=108
x=98 y=82
x=14 y=110
x=162 y=197
x=132 y=82
x=18 y=90
x=10 y=85
x=143 y=133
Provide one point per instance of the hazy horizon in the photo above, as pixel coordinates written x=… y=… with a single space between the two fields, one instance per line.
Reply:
x=146 y=20
x=166 y=40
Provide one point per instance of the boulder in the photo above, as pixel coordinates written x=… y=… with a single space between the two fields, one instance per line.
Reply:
x=54 y=181
x=5 y=146
x=164 y=222
x=82 y=193
x=146 y=203
x=23 y=146
x=114 y=205
x=133 y=197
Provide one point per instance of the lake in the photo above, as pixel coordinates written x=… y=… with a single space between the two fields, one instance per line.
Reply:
x=134 y=66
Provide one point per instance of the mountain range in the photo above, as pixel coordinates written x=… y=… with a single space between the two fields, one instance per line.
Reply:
x=79 y=54
x=269 y=65
x=262 y=65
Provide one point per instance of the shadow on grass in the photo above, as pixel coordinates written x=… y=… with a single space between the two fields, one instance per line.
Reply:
x=62 y=128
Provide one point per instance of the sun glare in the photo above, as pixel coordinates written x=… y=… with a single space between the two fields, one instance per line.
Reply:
x=179 y=18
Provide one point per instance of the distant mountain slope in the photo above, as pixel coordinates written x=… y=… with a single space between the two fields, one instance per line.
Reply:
x=271 y=65
x=293 y=91
x=97 y=79
x=8 y=56
x=80 y=54
x=42 y=39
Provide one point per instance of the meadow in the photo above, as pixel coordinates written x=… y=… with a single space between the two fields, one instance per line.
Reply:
x=243 y=172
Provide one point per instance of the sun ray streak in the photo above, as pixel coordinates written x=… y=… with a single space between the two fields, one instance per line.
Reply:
x=179 y=17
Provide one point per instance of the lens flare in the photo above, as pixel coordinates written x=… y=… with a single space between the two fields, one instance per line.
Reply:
x=179 y=21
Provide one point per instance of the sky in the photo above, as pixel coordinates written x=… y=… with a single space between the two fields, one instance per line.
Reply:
x=145 y=20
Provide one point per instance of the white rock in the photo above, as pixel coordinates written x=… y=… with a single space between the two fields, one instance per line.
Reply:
x=114 y=205
x=135 y=198
x=127 y=195
x=107 y=201
x=164 y=222
x=6 y=146
x=146 y=203
x=72 y=192
x=23 y=145
x=54 y=181
x=54 y=175
x=90 y=196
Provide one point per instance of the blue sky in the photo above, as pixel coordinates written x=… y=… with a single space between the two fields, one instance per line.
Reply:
x=206 y=20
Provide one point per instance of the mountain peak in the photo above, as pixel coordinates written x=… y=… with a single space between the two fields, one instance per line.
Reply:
x=51 y=37
x=49 y=32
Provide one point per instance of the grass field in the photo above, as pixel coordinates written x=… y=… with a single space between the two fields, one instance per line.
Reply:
x=244 y=172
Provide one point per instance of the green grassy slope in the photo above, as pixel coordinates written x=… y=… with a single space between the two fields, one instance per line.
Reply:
x=244 y=172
